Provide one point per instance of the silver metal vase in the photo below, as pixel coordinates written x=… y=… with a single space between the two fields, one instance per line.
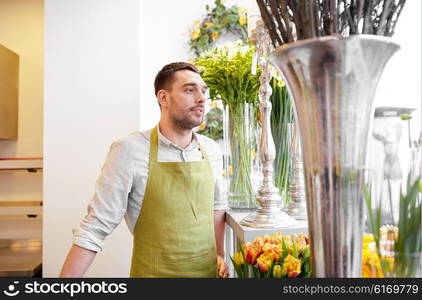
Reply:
x=332 y=81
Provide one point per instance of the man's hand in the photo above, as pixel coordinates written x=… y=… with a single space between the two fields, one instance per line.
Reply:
x=223 y=270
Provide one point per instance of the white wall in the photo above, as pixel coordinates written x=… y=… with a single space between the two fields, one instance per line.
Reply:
x=400 y=86
x=91 y=99
x=22 y=30
x=165 y=31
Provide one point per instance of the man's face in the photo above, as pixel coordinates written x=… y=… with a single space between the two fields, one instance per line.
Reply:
x=186 y=99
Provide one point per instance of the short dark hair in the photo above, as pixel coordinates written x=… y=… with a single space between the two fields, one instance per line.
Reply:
x=165 y=78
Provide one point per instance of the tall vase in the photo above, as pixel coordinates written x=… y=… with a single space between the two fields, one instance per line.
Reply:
x=332 y=81
x=281 y=124
x=241 y=138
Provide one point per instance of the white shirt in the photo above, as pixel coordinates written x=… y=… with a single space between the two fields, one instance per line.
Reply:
x=120 y=188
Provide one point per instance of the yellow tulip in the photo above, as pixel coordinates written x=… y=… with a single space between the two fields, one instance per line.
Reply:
x=195 y=34
x=300 y=243
x=213 y=104
x=259 y=240
x=242 y=20
x=371 y=264
x=267 y=247
x=368 y=238
x=264 y=262
x=208 y=24
x=267 y=238
x=292 y=266
x=238 y=258
x=277 y=271
x=241 y=11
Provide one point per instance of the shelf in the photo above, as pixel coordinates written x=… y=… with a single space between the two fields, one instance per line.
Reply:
x=31 y=164
x=25 y=208
x=20 y=203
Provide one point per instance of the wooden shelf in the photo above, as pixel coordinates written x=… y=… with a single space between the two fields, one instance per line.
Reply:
x=31 y=164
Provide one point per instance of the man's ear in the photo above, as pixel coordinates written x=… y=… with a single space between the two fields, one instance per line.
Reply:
x=162 y=97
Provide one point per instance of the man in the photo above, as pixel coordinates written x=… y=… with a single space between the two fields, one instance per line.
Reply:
x=167 y=184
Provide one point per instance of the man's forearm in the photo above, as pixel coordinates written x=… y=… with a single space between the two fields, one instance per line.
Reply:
x=77 y=262
x=219 y=228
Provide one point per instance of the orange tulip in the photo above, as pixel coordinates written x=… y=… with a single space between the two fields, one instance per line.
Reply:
x=267 y=247
x=251 y=253
x=264 y=262
x=300 y=243
x=291 y=266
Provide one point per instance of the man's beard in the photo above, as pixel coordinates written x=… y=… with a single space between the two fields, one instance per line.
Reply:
x=185 y=124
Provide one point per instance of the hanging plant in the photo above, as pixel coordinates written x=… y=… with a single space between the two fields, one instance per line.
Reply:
x=217 y=22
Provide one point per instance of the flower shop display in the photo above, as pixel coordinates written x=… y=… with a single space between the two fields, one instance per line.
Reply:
x=227 y=72
x=282 y=256
x=399 y=246
x=268 y=213
x=274 y=256
x=217 y=22
x=331 y=55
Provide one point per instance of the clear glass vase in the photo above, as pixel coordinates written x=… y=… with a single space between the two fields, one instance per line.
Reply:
x=241 y=161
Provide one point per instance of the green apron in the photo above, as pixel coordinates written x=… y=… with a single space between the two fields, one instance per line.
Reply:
x=174 y=233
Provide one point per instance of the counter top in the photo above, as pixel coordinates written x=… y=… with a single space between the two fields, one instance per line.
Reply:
x=248 y=234
x=20 y=257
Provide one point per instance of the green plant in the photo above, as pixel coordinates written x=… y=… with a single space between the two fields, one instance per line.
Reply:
x=218 y=21
x=281 y=119
x=275 y=256
x=212 y=127
x=227 y=72
x=407 y=246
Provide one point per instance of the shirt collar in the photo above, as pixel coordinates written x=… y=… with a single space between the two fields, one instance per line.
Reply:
x=166 y=142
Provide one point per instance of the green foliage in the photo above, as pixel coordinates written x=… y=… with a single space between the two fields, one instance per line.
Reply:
x=213 y=124
x=281 y=119
x=407 y=247
x=218 y=21
x=227 y=72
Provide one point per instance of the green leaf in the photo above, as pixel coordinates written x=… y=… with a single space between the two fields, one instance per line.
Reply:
x=294 y=252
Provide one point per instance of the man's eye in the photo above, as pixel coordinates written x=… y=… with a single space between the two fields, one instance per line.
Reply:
x=189 y=90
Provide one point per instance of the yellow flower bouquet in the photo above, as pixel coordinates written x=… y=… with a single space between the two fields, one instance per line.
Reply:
x=282 y=256
x=274 y=256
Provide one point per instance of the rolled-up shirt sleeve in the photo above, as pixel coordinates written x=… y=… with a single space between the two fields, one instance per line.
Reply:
x=109 y=203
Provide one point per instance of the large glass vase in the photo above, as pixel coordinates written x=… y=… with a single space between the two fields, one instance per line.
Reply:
x=241 y=162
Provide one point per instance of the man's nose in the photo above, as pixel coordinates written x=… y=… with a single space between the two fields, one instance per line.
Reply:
x=201 y=97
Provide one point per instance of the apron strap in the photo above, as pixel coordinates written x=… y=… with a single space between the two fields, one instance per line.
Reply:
x=153 y=146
